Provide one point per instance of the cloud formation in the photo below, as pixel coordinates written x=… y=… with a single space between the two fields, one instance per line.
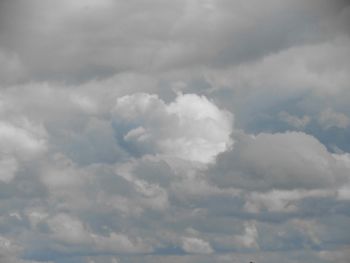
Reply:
x=190 y=128
x=174 y=131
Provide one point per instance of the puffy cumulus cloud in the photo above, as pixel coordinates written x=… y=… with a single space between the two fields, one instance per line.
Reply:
x=91 y=206
x=190 y=128
x=344 y=190
x=310 y=174
x=247 y=240
x=72 y=232
x=116 y=131
x=57 y=115
x=22 y=141
x=68 y=230
x=196 y=246
x=291 y=160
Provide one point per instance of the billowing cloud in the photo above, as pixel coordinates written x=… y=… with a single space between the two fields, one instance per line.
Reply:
x=196 y=246
x=190 y=128
x=292 y=160
x=21 y=141
x=174 y=131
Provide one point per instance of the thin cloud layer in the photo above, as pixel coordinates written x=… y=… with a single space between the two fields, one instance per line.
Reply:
x=174 y=131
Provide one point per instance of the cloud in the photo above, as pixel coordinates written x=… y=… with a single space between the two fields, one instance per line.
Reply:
x=183 y=34
x=22 y=141
x=294 y=121
x=281 y=200
x=196 y=246
x=190 y=128
x=295 y=160
x=341 y=255
x=72 y=232
x=249 y=238
x=330 y=118
x=11 y=69
x=174 y=131
x=8 y=167
x=309 y=67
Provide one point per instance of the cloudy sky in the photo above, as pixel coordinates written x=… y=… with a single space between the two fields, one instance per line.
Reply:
x=187 y=131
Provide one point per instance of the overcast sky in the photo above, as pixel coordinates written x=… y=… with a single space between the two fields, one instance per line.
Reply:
x=187 y=131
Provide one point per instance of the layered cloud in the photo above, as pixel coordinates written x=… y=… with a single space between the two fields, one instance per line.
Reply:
x=174 y=131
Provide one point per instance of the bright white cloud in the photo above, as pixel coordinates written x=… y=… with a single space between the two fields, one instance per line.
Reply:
x=190 y=128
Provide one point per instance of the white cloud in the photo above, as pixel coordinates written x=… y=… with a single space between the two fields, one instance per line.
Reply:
x=72 y=231
x=68 y=230
x=22 y=141
x=196 y=246
x=115 y=243
x=151 y=195
x=190 y=128
x=249 y=237
x=101 y=162
x=321 y=68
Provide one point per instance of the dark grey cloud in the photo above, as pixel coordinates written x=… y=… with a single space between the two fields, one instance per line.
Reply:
x=80 y=41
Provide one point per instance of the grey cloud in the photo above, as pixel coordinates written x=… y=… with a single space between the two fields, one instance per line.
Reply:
x=83 y=45
x=283 y=161
x=330 y=118
x=118 y=142
x=294 y=121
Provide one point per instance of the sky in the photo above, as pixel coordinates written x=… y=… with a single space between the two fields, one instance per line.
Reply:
x=187 y=131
